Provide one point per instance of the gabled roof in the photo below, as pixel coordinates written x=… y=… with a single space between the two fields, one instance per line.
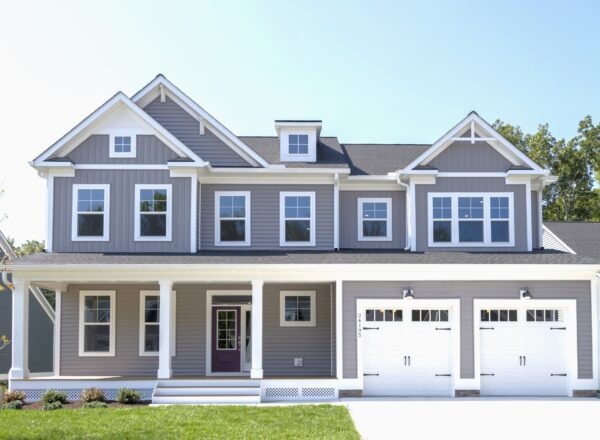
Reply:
x=79 y=133
x=161 y=84
x=473 y=122
x=581 y=238
x=380 y=159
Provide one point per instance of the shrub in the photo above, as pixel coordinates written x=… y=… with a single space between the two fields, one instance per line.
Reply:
x=95 y=404
x=13 y=404
x=10 y=396
x=125 y=395
x=93 y=395
x=51 y=406
x=52 y=396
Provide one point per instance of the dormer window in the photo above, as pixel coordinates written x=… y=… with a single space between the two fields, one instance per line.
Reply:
x=298 y=140
x=298 y=144
x=122 y=145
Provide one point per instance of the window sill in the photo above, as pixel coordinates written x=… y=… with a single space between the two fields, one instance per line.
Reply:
x=122 y=156
x=231 y=243
x=298 y=324
x=90 y=239
x=149 y=354
x=152 y=239
x=470 y=245
x=97 y=354
x=375 y=239
x=296 y=244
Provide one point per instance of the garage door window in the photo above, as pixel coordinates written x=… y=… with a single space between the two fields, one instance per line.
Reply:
x=430 y=315
x=380 y=315
x=499 y=315
x=543 y=316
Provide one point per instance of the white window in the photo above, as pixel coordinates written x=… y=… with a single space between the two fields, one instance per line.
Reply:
x=232 y=218
x=122 y=145
x=97 y=323
x=297 y=309
x=375 y=219
x=298 y=144
x=471 y=219
x=297 y=219
x=153 y=212
x=150 y=323
x=90 y=218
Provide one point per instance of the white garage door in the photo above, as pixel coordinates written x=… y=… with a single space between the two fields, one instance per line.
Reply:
x=407 y=352
x=523 y=352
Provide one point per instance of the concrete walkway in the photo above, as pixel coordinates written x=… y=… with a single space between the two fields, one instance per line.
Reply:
x=482 y=419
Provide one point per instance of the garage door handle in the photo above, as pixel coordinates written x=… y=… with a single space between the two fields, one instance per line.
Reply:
x=443 y=375
x=558 y=328
x=442 y=328
x=486 y=328
x=371 y=374
x=370 y=328
x=558 y=374
x=487 y=374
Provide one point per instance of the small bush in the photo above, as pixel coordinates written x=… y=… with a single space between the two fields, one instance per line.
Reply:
x=10 y=396
x=125 y=395
x=52 y=406
x=52 y=396
x=95 y=404
x=13 y=404
x=93 y=395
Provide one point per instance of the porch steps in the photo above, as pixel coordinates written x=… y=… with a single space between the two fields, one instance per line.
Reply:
x=206 y=392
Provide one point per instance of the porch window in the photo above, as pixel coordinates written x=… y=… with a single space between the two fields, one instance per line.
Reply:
x=90 y=220
x=150 y=323
x=153 y=213
x=232 y=218
x=374 y=219
x=297 y=219
x=298 y=309
x=97 y=323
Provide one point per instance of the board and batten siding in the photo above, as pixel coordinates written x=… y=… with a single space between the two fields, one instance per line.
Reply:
x=281 y=345
x=264 y=217
x=467 y=292
x=471 y=184
x=95 y=150
x=186 y=128
x=122 y=211
x=465 y=157
x=349 y=220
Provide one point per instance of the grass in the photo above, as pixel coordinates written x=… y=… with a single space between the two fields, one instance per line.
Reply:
x=182 y=422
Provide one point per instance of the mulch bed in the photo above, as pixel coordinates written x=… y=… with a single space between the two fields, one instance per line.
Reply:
x=77 y=404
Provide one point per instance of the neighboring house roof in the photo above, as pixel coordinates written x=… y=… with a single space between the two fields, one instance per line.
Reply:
x=380 y=159
x=308 y=257
x=581 y=238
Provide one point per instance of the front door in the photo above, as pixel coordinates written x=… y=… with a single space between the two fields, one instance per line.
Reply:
x=226 y=343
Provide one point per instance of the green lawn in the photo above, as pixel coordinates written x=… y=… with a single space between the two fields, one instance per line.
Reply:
x=181 y=422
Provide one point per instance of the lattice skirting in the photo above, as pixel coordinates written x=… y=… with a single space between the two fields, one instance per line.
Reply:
x=35 y=394
x=300 y=393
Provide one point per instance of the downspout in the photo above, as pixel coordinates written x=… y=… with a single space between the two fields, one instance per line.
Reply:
x=408 y=205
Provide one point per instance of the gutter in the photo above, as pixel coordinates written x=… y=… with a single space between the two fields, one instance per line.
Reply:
x=407 y=210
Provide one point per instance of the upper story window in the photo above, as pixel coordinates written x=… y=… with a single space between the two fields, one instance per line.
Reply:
x=97 y=323
x=297 y=309
x=90 y=218
x=471 y=219
x=375 y=219
x=297 y=219
x=122 y=145
x=298 y=144
x=232 y=218
x=153 y=212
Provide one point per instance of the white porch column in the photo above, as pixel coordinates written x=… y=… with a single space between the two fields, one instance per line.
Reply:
x=257 y=329
x=20 y=330
x=57 y=328
x=165 y=329
x=339 y=334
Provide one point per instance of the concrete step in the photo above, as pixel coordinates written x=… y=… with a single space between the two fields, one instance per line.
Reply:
x=209 y=383
x=204 y=400
x=207 y=391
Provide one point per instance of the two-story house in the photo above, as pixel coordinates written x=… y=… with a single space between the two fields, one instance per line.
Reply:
x=200 y=266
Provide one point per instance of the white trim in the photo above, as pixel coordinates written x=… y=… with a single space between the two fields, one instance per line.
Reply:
x=142 y=322
x=487 y=220
x=194 y=213
x=137 y=213
x=280 y=170
x=313 y=308
x=595 y=290
x=557 y=238
x=20 y=330
x=247 y=218
x=388 y=219
x=126 y=166
x=412 y=224
x=75 y=212
x=540 y=218
x=112 y=144
x=256 y=371
x=336 y=212
x=57 y=331
x=282 y=218
x=49 y=212
x=246 y=368
x=339 y=330
x=111 y=323
x=528 y=215
x=284 y=144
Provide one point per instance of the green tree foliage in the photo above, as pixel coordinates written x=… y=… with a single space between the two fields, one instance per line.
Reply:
x=573 y=161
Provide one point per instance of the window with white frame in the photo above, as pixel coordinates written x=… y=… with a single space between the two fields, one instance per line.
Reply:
x=122 y=145
x=232 y=218
x=97 y=323
x=298 y=144
x=471 y=219
x=90 y=219
x=297 y=219
x=153 y=212
x=375 y=219
x=297 y=309
x=150 y=323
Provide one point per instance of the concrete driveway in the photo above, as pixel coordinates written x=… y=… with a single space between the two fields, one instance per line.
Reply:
x=482 y=419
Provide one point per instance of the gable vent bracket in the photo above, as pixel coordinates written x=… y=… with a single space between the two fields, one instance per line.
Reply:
x=200 y=126
x=163 y=96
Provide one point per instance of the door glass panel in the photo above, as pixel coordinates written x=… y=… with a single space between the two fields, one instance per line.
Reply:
x=227 y=330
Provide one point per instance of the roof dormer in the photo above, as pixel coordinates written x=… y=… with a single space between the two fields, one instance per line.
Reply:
x=298 y=140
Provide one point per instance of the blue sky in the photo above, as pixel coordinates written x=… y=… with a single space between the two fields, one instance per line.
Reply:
x=374 y=71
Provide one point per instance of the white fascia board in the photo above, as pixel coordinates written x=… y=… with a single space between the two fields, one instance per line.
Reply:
x=282 y=171
x=174 y=92
x=384 y=177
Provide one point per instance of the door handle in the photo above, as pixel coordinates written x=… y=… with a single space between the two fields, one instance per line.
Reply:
x=409 y=361
x=524 y=360
x=520 y=361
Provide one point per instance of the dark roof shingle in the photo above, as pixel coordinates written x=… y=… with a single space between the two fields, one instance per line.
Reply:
x=380 y=159
x=582 y=237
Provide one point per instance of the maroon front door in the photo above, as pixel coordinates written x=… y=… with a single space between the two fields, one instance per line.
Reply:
x=226 y=339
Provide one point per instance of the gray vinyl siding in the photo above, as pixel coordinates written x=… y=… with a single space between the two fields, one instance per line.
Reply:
x=349 y=220
x=122 y=211
x=535 y=221
x=467 y=157
x=471 y=184
x=313 y=344
x=265 y=215
x=466 y=292
x=96 y=148
x=187 y=129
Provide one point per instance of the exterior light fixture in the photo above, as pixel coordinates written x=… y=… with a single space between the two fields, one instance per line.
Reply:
x=525 y=293
x=408 y=293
